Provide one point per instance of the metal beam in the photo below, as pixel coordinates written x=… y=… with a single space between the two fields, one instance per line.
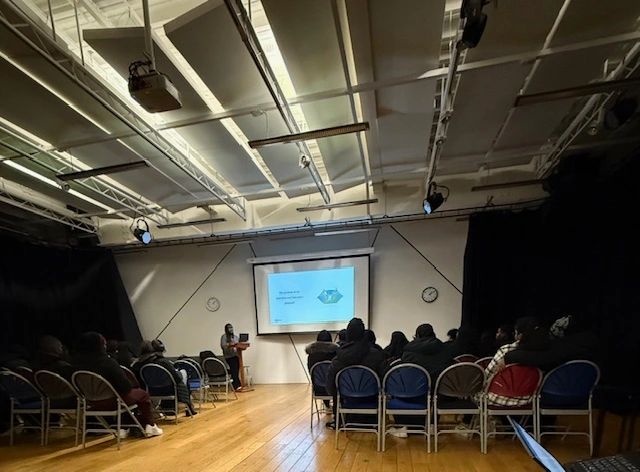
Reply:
x=250 y=39
x=592 y=88
x=94 y=87
x=114 y=169
x=76 y=222
x=309 y=135
x=371 y=86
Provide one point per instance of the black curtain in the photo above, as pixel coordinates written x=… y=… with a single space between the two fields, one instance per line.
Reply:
x=62 y=292
x=578 y=254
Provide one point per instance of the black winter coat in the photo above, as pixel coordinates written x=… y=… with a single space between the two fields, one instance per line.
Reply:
x=354 y=353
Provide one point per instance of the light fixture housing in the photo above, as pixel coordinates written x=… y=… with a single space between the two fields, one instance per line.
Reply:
x=308 y=135
x=141 y=231
x=434 y=198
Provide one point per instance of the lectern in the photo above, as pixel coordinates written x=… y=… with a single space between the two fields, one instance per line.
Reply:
x=240 y=348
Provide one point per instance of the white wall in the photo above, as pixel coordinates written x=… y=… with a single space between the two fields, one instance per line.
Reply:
x=159 y=281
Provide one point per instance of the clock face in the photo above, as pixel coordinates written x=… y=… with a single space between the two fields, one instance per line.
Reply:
x=430 y=294
x=213 y=304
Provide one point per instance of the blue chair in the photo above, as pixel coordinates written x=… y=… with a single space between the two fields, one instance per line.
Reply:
x=25 y=399
x=407 y=392
x=358 y=392
x=195 y=379
x=456 y=391
x=318 y=373
x=162 y=388
x=567 y=390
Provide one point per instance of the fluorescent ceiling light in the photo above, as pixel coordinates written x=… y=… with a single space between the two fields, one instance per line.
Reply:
x=102 y=170
x=331 y=206
x=308 y=135
x=191 y=223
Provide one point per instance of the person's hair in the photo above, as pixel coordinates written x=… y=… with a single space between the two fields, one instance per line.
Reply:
x=342 y=335
x=355 y=330
x=453 y=334
x=50 y=347
x=527 y=327
x=324 y=336
x=370 y=336
x=146 y=347
x=397 y=344
x=112 y=346
x=158 y=346
x=91 y=343
x=424 y=331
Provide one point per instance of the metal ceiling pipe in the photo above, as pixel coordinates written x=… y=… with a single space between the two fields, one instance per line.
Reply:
x=148 y=41
x=259 y=57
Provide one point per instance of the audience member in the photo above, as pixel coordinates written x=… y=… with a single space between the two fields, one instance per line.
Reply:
x=452 y=334
x=53 y=356
x=126 y=356
x=356 y=351
x=396 y=346
x=341 y=337
x=151 y=353
x=504 y=335
x=487 y=346
x=427 y=351
x=91 y=355
x=16 y=356
x=371 y=337
x=573 y=340
x=323 y=349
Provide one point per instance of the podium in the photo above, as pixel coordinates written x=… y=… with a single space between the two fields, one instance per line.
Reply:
x=240 y=348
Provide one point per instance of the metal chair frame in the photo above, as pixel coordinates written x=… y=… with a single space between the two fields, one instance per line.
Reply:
x=314 y=397
x=63 y=411
x=15 y=408
x=202 y=390
x=213 y=383
x=175 y=411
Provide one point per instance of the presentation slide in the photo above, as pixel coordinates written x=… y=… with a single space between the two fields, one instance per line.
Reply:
x=312 y=296
x=307 y=296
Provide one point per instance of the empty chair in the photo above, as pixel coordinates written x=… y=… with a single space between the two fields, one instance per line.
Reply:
x=407 y=392
x=465 y=358
x=195 y=381
x=24 y=399
x=218 y=376
x=162 y=388
x=514 y=384
x=358 y=392
x=61 y=398
x=456 y=392
x=484 y=361
x=97 y=392
x=318 y=374
x=567 y=390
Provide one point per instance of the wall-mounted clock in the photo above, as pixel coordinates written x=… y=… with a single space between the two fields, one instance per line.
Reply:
x=213 y=304
x=430 y=294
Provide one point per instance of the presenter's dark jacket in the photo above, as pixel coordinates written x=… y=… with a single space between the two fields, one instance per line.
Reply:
x=319 y=351
x=355 y=353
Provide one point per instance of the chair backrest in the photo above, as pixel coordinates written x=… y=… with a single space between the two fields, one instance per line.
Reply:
x=157 y=378
x=193 y=373
x=18 y=387
x=214 y=367
x=133 y=380
x=465 y=358
x=195 y=363
x=407 y=381
x=569 y=384
x=319 y=372
x=54 y=386
x=357 y=381
x=484 y=361
x=92 y=386
x=515 y=381
x=26 y=372
x=462 y=380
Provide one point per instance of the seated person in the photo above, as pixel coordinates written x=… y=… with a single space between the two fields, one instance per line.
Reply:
x=323 y=349
x=53 y=356
x=504 y=335
x=356 y=351
x=572 y=339
x=528 y=334
x=341 y=337
x=427 y=351
x=151 y=353
x=396 y=346
x=91 y=355
x=371 y=337
x=452 y=334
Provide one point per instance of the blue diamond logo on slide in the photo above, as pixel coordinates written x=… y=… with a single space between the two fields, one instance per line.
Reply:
x=330 y=296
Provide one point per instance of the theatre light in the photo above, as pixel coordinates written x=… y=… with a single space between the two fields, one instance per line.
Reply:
x=434 y=198
x=309 y=135
x=141 y=231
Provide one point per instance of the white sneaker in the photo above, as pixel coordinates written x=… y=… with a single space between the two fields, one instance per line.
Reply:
x=399 y=432
x=153 y=430
x=123 y=433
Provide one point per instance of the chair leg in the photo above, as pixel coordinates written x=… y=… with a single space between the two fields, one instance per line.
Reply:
x=43 y=410
x=590 y=430
x=118 y=424
x=481 y=428
x=428 y=427
x=337 y=424
x=11 y=422
x=77 y=419
x=47 y=423
x=383 y=420
x=435 y=425
x=84 y=425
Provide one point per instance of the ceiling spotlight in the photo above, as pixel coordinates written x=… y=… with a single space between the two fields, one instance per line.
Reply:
x=141 y=231
x=596 y=125
x=434 y=198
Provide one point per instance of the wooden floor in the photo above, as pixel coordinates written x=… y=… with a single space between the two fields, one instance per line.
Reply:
x=268 y=430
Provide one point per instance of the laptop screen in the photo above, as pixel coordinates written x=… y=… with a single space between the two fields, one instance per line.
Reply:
x=535 y=450
x=244 y=337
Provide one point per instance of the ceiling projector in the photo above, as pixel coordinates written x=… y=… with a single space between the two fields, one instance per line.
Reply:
x=153 y=90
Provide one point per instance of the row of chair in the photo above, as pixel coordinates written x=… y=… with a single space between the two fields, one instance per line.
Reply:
x=46 y=393
x=461 y=389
